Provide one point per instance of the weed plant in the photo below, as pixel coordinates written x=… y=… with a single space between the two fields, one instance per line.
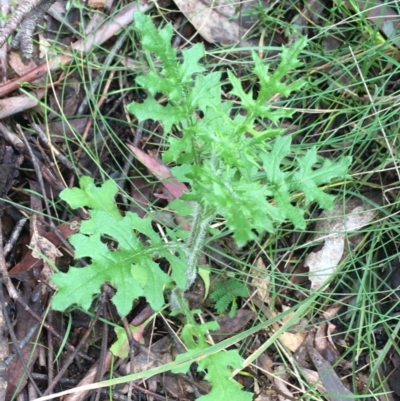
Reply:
x=347 y=106
x=249 y=177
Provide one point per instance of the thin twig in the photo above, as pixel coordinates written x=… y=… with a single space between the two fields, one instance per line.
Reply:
x=7 y=281
x=19 y=14
x=78 y=347
x=14 y=236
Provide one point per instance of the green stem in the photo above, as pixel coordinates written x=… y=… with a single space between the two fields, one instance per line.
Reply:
x=201 y=219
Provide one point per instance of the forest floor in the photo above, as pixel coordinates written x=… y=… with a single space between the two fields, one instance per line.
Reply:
x=310 y=307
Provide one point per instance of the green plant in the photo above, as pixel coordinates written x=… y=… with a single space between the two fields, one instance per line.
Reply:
x=248 y=177
x=225 y=294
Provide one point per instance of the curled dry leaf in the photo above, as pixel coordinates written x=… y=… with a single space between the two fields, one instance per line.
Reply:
x=332 y=228
x=44 y=249
x=261 y=282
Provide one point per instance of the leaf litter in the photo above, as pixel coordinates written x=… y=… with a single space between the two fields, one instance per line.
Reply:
x=333 y=227
x=336 y=229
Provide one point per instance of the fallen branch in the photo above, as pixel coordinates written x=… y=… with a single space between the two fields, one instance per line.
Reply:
x=106 y=31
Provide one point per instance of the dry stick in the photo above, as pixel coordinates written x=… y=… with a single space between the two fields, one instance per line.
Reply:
x=4 y=10
x=24 y=341
x=120 y=21
x=78 y=347
x=131 y=352
x=14 y=236
x=103 y=352
x=16 y=18
x=13 y=293
x=23 y=40
x=11 y=138
x=89 y=379
x=91 y=374
x=50 y=354
x=41 y=183
x=43 y=137
x=6 y=280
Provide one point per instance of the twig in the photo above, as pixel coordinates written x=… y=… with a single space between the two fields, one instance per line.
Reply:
x=14 y=236
x=53 y=149
x=24 y=341
x=105 y=32
x=78 y=347
x=24 y=37
x=7 y=282
x=16 y=19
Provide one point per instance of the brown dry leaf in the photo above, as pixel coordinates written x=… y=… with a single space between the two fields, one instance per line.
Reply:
x=323 y=343
x=331 y=381
x=281 y=379
x=292 y=341
x=96 y=4
x=230 y=325
x=332 y=310
x=260 y=281
x=68 y=98
x=333 y=227
x=266 y=366
x=215 y=21
x=16 y=63
x=59 y=130
x=44 y=249
x=162 y=352
x=313 y=378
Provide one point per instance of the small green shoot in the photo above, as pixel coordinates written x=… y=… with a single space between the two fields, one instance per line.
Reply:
x=225 y=294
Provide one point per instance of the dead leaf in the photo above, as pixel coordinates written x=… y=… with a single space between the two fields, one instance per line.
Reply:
x=96 y=4
x=16 y=63
x=323 y=343
x=174 y=189
x=329 y=378
x=59 y=130
x=230 y=325
x=261 y=281
x=281 y=379
x=28 y=263
x=44 y=249
x=215 y=22
x=313 y=378
x=292 y=341
x=332 y=228
x=266 y=366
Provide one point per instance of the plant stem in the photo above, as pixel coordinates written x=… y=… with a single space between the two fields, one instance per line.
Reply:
x=201 y=219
